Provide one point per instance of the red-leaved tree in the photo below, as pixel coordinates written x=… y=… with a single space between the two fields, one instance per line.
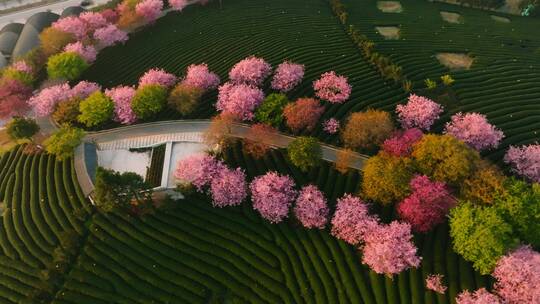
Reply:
x=428 y=204
x=303 y=114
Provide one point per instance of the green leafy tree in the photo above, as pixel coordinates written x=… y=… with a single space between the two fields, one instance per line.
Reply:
x=271 y=110
x=62 y=142
x=116 y=191
x=22 y=128
x=481 y=235
x=148 y=101
x=386 y=178
x=305 y=152
x=96 y=109
x=520 y=206
x=66 y=65
x=185 y=98
x=23 y=77
x=445 y=158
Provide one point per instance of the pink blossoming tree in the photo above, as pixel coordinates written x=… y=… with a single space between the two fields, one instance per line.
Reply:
x=178 y=5
x=239 y=100
x=389 y=249
x=331 y=126
x=110 y=35
x=428 y=204
x=93 y=21
x=419 y=112
x=481 y=296
x=434 y=282
x=287 y=76
x=518 y=276
x=22 y=66
x=474 y=130
x=311 y=208
x=122 y=96
x=159 y=77
x=198 y=169
x=401 y=143
x=228 y=187
x=525 y=161
x=110 y=15
x=351 y=221
x=272 y=195
x=72 y=25
x=84 y=88
x=199 y=76
x=87 y=52
x=251 y=71
x=149 y=9
x=46 y=100
x=333 y=88
x=13 y=96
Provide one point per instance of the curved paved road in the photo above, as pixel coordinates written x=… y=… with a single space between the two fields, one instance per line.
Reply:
x=280 y=140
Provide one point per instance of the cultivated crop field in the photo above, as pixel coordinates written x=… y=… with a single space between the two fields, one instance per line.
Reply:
x=301 y=31
x=199 y=254
x=502 y=82
x=504 y=79
x=58 y=247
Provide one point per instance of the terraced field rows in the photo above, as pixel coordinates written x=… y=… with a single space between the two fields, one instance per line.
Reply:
x=504 y=80
x=299 y=30
x=200 y=254
x=40 y=197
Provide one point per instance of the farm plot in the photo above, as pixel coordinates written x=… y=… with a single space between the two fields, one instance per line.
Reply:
x=502 y=83
x=42 y=201
x=200 y=254
x=298 y=30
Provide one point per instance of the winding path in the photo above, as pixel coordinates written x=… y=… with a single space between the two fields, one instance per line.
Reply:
x=159 y=129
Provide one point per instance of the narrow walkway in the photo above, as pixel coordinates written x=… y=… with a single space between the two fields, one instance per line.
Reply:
x=151 y=133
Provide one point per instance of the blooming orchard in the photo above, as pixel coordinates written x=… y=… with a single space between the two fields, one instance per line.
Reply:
x=333 y=88
x=251 y=71
x=87 y=52
x=159 y=77
x=518 y=276
x=474 y=130
x=272 y=196
x=389 y=249
x=287 y=76
x=199 y=76
x=419 y=112
x=84 y=89
x=198 y=170
x=122 y=97
x=525 y=161
x=110 y=35
x=47 y=99
x=311 y=208
x=239 y=99
x=352 y=221
x=228 y=187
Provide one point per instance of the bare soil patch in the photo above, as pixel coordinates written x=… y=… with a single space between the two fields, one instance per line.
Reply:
x=500 y=19
x=451 y=17
x=390 y=6
x=388 y=32
x=455 y=61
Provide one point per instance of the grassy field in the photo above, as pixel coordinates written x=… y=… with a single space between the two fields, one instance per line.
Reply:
x=299 y=30
x=196 y=253
x=504 y=80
